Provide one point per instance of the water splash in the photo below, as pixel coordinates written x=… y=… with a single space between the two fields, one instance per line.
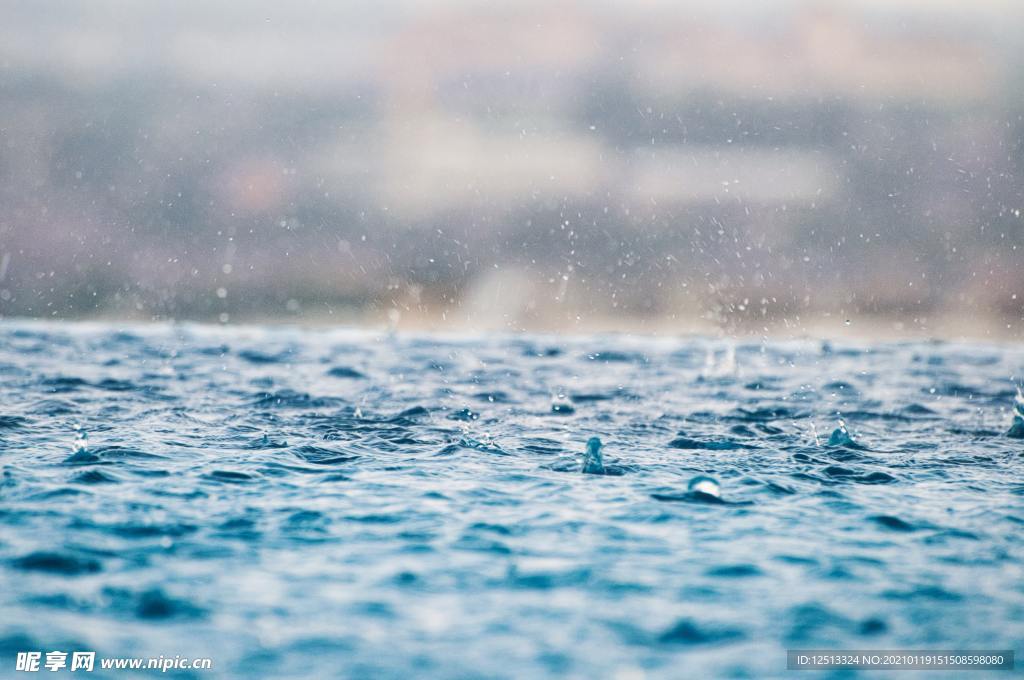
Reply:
x=1016 y=430
x=172 y=476
x=593 y=461
x=707 y=486
x=80 y=448
x=81 y=445
x=560 y=403
x=726 y=367
x=729 y=364
x=814 y=433
x=841 y=436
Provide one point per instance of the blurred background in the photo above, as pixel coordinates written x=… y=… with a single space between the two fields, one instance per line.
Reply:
x=641 y=165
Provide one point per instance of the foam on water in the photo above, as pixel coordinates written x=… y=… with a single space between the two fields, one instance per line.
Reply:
x=297 y=503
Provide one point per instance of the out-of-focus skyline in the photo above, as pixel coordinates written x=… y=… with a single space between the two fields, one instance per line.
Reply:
x=777 y=167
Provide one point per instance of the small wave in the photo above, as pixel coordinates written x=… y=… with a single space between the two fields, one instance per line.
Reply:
x=319 y=455
x=124 y=453
x=691 y=633
x=265 y=441
x=846 y=474
x=616 y=357
x=693 y=497
x=261 y=358
x=95 y=477
x=542 y=352
x=409 y=416
x=711 y=445
x=230 y=477
x=893 y=523
x=767 y=415
x=493 y=397
x=734 y=571
x=464 y=415
x=152 y=604
x=925 y=592
x=345 y=372
x=290 y=399
x=64 y=564
x=12 y=422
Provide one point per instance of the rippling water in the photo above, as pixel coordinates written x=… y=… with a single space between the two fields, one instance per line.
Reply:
x=320 y=503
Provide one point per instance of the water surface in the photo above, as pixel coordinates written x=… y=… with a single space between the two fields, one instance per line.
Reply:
x=298 y=503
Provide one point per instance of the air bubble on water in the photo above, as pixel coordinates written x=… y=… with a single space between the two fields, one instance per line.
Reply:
x=708 y=486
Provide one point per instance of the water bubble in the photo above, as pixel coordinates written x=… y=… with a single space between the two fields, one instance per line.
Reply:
x=703 y=484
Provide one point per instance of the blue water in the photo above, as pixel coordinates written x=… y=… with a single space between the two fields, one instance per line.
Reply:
x=310 y=503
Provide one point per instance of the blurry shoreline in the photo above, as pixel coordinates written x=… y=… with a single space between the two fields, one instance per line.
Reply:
x=860 y=329
x=555 y=166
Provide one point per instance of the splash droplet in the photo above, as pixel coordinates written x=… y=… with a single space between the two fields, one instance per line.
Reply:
x=81 y=444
